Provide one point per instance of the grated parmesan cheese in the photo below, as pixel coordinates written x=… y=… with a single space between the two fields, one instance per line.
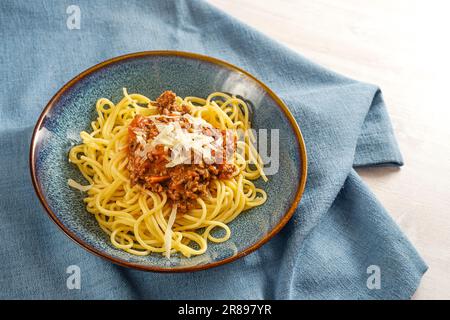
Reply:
x=180 y=141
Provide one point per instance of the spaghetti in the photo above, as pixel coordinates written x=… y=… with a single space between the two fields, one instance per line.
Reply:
x=145 y=194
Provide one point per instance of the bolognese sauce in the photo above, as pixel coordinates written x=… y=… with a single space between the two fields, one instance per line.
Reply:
x=174 y=152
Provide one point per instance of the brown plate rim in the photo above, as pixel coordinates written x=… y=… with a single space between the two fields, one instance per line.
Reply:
x=121 y=262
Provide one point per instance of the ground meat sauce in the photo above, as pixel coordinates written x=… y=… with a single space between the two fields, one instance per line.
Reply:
x=183 y=183
x=167 y=105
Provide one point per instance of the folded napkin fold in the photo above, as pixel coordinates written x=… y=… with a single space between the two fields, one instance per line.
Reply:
x=340 y=237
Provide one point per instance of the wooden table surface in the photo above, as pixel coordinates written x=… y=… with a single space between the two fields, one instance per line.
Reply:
x=403 y=46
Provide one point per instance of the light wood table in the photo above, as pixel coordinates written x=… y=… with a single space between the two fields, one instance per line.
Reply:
x=403 y=46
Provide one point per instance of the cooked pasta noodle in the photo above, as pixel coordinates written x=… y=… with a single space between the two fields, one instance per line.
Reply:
x=141 y=221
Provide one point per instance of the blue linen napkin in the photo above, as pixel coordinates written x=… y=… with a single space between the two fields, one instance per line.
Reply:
x=334 y=246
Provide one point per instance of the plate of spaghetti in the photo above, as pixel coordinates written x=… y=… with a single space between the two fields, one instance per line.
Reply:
x=168 y=161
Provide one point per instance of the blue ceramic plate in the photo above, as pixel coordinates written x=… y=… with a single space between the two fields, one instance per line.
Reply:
x=73 y=108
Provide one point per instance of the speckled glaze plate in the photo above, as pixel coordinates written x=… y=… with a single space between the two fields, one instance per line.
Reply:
x=73 y=108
